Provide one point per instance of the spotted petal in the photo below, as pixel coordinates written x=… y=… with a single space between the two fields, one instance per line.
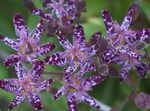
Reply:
x=63 y=41
x=12 y=59
x=17 y=100
x=20 y=26
x=55 y=59
x=9 y=85
x=130 y=16
x=108 y=22
x=79 y=37
x=60 y=93
x=71 y=101
x=11 y=42
x=91 y=101
x=43 y=85
x=20 y=70
x=37 y=33
x=142 y=34
x=35 y=101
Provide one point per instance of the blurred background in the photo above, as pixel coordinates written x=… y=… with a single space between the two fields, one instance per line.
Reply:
x=111 y=92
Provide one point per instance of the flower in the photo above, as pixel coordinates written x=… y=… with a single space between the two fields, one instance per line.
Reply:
x=75 y=88
x=27 y=85
x=122 y=43
x=76 y=54
x=28 y=44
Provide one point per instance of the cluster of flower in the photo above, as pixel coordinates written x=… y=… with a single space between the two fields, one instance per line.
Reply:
x=119 y=46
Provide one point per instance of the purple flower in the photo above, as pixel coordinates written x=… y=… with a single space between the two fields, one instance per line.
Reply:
x=27 y=85
x=77 y=54
x=28 y=44
x=122 y=43
x=75 y=88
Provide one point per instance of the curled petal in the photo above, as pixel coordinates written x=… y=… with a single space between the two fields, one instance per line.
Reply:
x=71 y=101
x=17 y=100
x=12 y=59
x=20 y=70
x=63 y=41
x=60 y=93
x=43 y=85
x=130 y=16
x=45 y=48
x=9 y=85
x=94 y=80
x=124 y=71
x=141 y=68
x=79 y=37
x=10 y=42
x=55 y=59
x=42 y=14
x=108 y=22
x=91 y=101
x=37 y=33
x=35 y=101
x=20 y=26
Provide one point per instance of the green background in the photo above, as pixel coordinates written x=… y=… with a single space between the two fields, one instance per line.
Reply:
x=111 y=91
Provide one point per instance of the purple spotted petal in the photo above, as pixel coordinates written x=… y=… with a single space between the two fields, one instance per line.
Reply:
x=63 y=41
x=42 y=14
x=79 y=37
x=93 y=80
x=130 y=16
x=35 y=101
x=9 y=85
x=20 y=70
x=71 y=69
x=141 y=69
x=17 y=100
x=20 y=26
x=142 y=34
x=12 y=59
x=71 y=101
x=45 y=48
x=124 y=71
x=55 y=59
x=37 y=70
x=108 y=22
x=38 y=31
x=44 y=85
x=91 y=101
x=11 y=42
x=91 y=50
x=60 y=93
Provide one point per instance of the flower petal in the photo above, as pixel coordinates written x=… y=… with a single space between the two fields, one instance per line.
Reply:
x=142 y=34
x=20 y=70
x=17 y=100
x=91 y=50
x=108 y=22
x=37 y=33
x=91 y=101
x=130 y=16
x=35 y=101
x=45 y=48
x=79 y=37
x=43 y=85
x=55 y=59
x=9 y=85
x=11 y=42
x=20 y=26
x=71 y=101
x=60 y=93
x=12 y=59
x=93 y=80
x=63 y=41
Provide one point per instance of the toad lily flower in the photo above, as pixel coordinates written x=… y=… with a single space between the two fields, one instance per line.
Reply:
x=75 y=88
x=76 y=54
x=27 y=85
x=28 y=45
x=122 y=40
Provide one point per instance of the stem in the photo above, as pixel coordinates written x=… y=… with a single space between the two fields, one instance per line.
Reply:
x=134 y=89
